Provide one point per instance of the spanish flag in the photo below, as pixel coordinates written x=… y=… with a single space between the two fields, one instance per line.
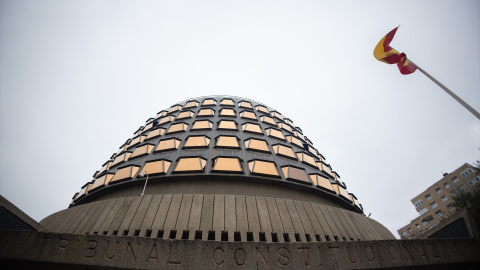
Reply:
x=384 y=53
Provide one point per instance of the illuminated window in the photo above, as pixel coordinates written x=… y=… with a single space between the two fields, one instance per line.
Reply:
x=156 y=167
x=209 y=102
x=254 y=128
x=197 y=141
x=206 y=112
x=185 y=114
x=261 y=108
x=102 y=181
x=285 y=127
x=227 y=142
x=324 y=167
x=268 y=120
x=165 y=120
x=227 y=164
x=307 y=159
x=321 y=182
x=191 y=104
x=296 y=174
x=228 y=125
x=142 y=150
x=105 y=167
x=295 y=141
x=341 y=191
x=256 y=145
x=227 y=112
x=161 y=114
x=275 y=133
x=137 y=140
x=121 y=158
x=277 y=115
x=155 y=133
x=190 y=165
x=227 y=102
x=248 y=115
x=202 y=125
x=246 y=104
x=260 y=167
x=284 y=151
x=180 y=127
x=125 y=173
x=167 y=145
x=175 y=108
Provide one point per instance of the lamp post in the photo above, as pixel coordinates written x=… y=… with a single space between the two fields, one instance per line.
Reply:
x=146 y=181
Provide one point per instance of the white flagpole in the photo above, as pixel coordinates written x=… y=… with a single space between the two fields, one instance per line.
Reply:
x=457 y=98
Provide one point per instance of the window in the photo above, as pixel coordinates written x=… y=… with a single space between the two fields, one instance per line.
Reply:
x=191 y=104
x=175 y=108
x=227 y=164
x=277 y=134
x=180 y=127
x=261 y=108
x=444 y=198
x=228 y=125
x=206 y=112
x=473 y=181
x=254 y=128
x=209 y=102
x=285 y=127
x=142 y=151
x=245 y=104
x=324 y=167
x=190 y=165
x=423 y=211
x=420 y=232
x=102 y=181
x=125 y=173
x=202 y=125
x=428 y=197
x=295 y=141
x=410 y=230
x=462 y=187
x=149 y=126
x=288 y=121
x=161 y=114
x=197 y=142
x=155 y=167
x=155 y=133
x=167 y=145
x=451 y=208
x=121 y=158
x=227 y=102
x=299 y=135
x=227 y=112
x=417 y=225
x=105 y=166
x=433 y=205
x=321 y=181
x=265 y=168
x=306 y=159
x=439 y=214
x=257 y=145
x=165 y=120
x=438 y=190
x=227 y=142
x=268 y=120
x=467 y=172
x=341 y=191
x=284 y=151
x=453 y=193
x=185 y=114
x=296 y=174
x=136 y=141
x=455 y=180
x=277 y=115
x=248 y=115
x=402 y=234
x=446 y=185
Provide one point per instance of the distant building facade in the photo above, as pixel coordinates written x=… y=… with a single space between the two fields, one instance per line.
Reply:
x=434 y=205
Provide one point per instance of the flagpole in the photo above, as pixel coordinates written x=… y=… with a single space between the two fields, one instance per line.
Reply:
x=457 y=98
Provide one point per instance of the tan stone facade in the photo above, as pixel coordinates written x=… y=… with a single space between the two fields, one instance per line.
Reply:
x=434 y=205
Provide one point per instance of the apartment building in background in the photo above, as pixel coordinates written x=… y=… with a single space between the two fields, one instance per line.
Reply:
x=434 y=204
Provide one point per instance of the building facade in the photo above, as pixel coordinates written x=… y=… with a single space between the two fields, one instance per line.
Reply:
x=434 y=205
x=218 y=168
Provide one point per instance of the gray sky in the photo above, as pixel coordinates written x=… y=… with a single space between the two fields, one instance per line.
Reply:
x=77 y=78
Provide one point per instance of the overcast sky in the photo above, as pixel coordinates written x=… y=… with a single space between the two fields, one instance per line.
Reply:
x=77 y=78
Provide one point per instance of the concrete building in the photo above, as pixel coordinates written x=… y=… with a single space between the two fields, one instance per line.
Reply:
x=434 y=205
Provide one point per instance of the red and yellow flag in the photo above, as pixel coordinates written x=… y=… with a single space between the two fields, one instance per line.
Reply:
x=384 y=53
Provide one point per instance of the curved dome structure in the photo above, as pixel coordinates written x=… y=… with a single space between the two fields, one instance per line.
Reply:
x=218 y=168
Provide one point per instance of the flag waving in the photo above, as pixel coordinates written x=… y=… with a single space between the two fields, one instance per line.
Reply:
x=384 y=53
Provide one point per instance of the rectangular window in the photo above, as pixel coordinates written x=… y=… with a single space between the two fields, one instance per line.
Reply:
x=439 y=214
x=455 y=180
x=462 y=187
x=467 y=172
x=444 y=198
x=418 y=203
x=417 y=225
x=438 y=190
x=433 y=205
x=453 y=193
x=428 y=197
x=446 y=185
x=451 y=208
x=423 y=211
x=410 y=230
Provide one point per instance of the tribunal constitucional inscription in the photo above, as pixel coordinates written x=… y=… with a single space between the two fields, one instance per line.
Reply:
x=148 y=253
